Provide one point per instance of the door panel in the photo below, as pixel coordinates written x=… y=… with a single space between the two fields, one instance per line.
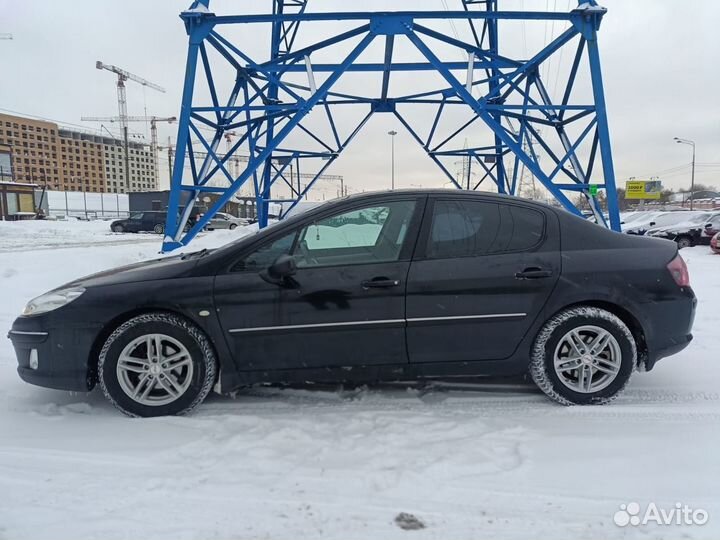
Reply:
x=326 y=318
x=479 y=307
x=475 y=309
x=345 y=303
x=134 y=222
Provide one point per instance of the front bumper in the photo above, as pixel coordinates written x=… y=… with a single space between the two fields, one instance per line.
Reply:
x=53 y=358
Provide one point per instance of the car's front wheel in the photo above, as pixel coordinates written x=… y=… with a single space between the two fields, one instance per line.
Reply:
x=159 y=228
x=118 y=228
x=156 y=364
x=583 y=356
x=233 y=226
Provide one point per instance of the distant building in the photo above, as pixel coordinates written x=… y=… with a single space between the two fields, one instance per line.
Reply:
x=686 y=196
x=81 y=161
x=16 y=200
x=34 y=149
x=158 y=200
x=143 y=166
x=68 y=159
x=6 y=169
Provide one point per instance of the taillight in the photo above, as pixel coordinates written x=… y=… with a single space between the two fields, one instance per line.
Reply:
x=679 y=271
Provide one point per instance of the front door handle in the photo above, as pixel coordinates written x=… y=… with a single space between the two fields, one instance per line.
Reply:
x=379 y=283
x=533 y=273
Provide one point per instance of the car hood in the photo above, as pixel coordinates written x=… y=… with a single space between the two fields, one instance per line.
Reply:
x=683 y=226
x=635 y=226
x=163 y=268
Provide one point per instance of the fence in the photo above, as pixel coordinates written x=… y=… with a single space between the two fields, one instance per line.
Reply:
x=82 y=204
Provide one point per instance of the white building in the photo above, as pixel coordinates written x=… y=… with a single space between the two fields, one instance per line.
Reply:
x=143 y=167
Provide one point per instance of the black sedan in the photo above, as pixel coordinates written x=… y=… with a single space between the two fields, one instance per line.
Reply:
x=377 y=287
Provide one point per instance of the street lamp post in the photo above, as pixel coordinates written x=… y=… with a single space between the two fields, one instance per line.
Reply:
x=692 y=176
x=392 y=134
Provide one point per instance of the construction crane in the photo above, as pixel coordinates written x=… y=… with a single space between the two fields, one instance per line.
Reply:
x=153 y=126
x=123 y=76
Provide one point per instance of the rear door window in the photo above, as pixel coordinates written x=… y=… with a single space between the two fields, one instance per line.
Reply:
x=473 y=228
x=522 y=228
x=463 y=229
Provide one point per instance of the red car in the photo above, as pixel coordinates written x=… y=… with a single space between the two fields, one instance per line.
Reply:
x=715 y=243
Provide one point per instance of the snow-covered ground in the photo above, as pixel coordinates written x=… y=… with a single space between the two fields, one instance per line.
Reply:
x=470 y=461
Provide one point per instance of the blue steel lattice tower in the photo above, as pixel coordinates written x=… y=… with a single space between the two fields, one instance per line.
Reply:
x=289 y=107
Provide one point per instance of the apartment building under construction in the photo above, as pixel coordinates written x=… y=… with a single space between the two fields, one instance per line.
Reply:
x=61 y=158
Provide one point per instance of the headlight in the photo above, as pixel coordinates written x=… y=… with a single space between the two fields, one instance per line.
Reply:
x=52 y=300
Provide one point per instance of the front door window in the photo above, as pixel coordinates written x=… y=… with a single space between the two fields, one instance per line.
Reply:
x=366 y=235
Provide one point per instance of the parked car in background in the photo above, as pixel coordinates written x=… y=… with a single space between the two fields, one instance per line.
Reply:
x=390 y=286
x=221 y=220
x=150 y=221
x=629 y=217
x=640 y=222
x=698 y=230
x=715 y=243
x=657 y=219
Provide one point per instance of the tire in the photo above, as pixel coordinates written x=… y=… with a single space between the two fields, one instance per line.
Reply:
x=563 y=384
x=191 y=379
x=118 y=228
x=233 y=226
x=159 y=228
x=684 y=242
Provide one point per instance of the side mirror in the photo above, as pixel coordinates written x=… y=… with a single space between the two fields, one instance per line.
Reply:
x=652 y=223
x=709 y=226
x=282 y=268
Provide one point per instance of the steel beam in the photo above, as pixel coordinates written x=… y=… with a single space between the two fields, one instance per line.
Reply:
x=268 y=102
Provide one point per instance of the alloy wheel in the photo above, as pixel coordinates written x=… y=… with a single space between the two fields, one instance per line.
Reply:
x=154 y=369
x=587 y=359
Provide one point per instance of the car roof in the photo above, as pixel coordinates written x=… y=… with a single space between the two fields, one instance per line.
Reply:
x=438 y=192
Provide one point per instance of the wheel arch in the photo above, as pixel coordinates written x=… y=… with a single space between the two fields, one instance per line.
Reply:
x=111 y=325
x=630 y=320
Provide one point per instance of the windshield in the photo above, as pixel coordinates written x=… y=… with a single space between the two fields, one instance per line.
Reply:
x=701 y=219
x=646 y=217
x=628 y=218
x=252 y=232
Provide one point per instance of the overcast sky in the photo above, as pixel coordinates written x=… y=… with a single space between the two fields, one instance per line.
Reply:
x=661 y=62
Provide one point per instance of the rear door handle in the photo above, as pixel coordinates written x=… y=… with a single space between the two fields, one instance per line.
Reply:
x=533 y=273
x=379 y=283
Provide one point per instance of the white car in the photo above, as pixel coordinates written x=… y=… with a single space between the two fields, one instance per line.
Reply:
x=221 y=220
x=657 y=219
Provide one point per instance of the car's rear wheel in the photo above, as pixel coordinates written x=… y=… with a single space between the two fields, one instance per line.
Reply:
x=156 y=364
x=159 y=228
x=683 y=242
x=583 y=356
x=118 y=228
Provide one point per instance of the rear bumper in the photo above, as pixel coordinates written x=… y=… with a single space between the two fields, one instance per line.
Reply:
x=53 y=358
x=670 y=327
x=674 y=346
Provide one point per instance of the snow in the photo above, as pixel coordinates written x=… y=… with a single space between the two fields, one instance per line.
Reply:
x=467 y=460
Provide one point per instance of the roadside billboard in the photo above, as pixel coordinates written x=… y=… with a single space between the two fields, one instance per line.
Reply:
x=643 y=189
